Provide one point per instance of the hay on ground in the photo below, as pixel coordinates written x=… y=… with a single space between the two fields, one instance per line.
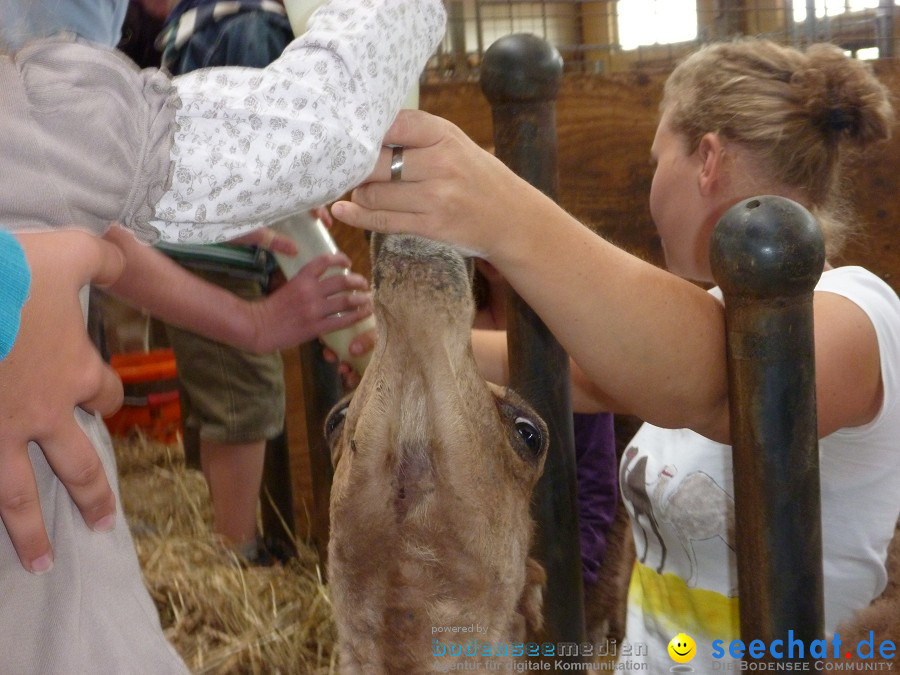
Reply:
x=221 y=616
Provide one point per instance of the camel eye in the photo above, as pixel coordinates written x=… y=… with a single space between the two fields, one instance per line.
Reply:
x=334 y=424
x=336 y=418
x=334 y=421
x=530 y=434
x=526 y=432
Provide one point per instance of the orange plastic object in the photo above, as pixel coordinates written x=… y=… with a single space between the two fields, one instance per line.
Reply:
x=151 y=396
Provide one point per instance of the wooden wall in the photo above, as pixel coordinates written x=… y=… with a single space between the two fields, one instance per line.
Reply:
x=605 y=126
x=875 y=183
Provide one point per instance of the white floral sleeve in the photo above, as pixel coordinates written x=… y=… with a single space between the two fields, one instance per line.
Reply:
x=252 y=145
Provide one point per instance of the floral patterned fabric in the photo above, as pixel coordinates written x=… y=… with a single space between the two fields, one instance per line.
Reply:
x=254 y=145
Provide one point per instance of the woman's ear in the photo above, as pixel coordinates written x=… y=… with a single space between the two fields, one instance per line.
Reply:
x=711 y=152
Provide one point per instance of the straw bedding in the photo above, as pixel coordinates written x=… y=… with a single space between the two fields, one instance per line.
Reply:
x=222 y=616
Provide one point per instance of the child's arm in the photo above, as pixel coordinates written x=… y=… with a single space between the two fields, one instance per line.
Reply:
x=299 y=310
x=52 y=368
x=215 y=153
x=252 y=145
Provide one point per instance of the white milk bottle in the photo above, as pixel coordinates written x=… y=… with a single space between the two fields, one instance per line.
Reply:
x=316 y=235
x=314 y=239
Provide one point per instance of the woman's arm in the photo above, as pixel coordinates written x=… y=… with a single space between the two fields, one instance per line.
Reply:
x=652 y=341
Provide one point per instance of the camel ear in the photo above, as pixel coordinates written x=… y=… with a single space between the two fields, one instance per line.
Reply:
x=531 y=604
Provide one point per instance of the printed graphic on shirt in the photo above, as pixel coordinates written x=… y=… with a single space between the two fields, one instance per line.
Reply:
x=697 y=509
x=637 y=501
x=673 y=511
x=664 y=604
x=683 y=518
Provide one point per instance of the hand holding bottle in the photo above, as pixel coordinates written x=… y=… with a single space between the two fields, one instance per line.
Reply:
x=313 y=239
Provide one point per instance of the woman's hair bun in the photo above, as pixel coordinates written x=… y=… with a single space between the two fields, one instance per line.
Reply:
x=842 y=96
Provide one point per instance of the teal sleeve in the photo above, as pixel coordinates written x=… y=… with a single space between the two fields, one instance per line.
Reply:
x=15 y=280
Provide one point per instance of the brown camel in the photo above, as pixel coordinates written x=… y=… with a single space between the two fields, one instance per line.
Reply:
x=434 y=470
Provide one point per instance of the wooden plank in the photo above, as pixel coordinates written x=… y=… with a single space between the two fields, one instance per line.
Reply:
x=606 y=125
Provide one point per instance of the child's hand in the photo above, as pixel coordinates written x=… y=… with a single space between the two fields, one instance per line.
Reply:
x=361 y=344
x=311 y=304
x=269 y=239
x=52 y=368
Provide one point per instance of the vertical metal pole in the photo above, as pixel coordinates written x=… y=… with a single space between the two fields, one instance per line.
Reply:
x=456 y=29
x=479 y=34
x=277 y=499
x=884 y=27
x=321 y=390
x=767 y=254
x=790 y=26
x=730 y=19
x=520 y=78
x=810 y=22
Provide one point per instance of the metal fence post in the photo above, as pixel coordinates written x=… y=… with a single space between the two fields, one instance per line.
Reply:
x=321 y=391
x=767 y=254
x=520 y=77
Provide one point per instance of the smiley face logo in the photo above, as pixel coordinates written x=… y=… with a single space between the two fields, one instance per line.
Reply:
x=682 y=648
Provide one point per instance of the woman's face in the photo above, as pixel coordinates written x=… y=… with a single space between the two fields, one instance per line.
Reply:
x=677 y=205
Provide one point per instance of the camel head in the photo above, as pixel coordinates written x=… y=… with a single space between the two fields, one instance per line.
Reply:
x=434 y=470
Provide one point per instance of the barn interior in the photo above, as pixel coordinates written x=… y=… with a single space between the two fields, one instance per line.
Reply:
x=224 y=616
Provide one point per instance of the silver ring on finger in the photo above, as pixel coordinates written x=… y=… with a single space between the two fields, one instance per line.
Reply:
x=397 y=163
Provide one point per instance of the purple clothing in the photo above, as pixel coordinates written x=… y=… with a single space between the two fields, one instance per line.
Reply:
x=597 y=476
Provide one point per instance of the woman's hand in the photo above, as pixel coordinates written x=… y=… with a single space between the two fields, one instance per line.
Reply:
x=450 y=189
x=52 y=368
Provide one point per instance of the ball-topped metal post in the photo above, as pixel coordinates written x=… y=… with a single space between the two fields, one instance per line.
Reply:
x=767 y=254
x=520 y=77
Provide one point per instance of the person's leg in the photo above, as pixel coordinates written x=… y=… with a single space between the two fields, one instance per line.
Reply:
x=235 y=403
x=234 y=475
